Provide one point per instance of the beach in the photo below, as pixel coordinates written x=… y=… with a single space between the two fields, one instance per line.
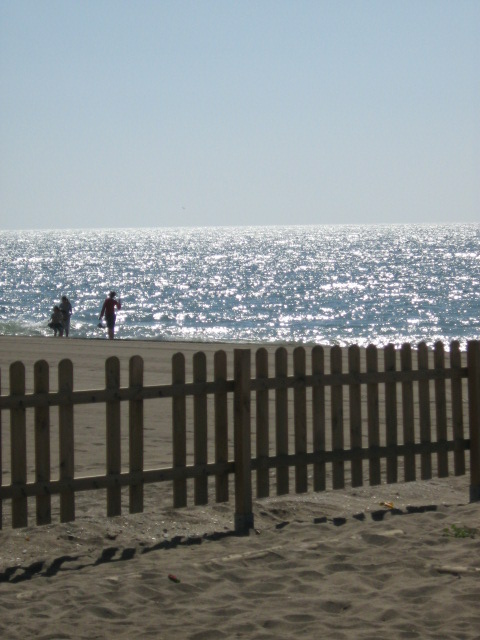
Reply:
x=388 y=561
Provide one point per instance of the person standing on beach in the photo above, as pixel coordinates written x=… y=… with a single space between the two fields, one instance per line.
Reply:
x=108 y=310
x=66 y=309
x=56 y=321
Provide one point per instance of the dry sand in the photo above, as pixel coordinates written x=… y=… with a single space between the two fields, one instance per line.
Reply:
x=336 y=564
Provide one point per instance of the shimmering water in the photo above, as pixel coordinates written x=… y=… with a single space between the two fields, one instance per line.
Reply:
x=325 y=284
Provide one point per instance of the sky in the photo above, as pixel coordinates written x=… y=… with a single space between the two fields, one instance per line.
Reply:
x=167 y=113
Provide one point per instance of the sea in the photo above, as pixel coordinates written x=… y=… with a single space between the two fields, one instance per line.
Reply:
x=338 y=284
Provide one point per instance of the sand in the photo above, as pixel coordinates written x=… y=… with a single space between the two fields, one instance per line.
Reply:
x=336 y=564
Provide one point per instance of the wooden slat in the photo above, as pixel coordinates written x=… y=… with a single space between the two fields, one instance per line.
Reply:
x=343 y=379
x=179 y=431
x=338 y=467
x=96 y=396
x=200 y=428
x=424 y=412
x=262 y=418
x=18 y=445
x=221 y=425
x=112 y=382
x=300 y=417
x=473 y=361
x=281 y=420
x=318 y=418
x=242 y=441
x=359 y=454
x=441 y=409
x=41 y=384
x=408 y=413
x=135 y=434
x=66 y=442
x=346 y=455
x=211 y=469
x=374 y=467
x=391 y=413
x=355 y=405
x=151 y=392
x=90 y=483
x=457 y=410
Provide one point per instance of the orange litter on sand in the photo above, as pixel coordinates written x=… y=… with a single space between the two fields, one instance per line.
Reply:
x=386 y=504
x=173 y=578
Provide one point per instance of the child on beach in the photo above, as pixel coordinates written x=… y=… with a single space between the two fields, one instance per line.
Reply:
x=56 y=321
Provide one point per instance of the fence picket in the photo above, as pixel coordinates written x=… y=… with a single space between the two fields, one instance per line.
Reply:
x=135 y=433
x=242 y=441
x=457 y=409
x=374 y=467
x=441 y=408
x=473 y=364
x=262 y=416
x=221 y=425
x=18 y=444
x=281 y=420
x=200 y=428
x=318 y=418
x=355 y=403
x=66 y=441
x=179 y=431
x=338 y=466
x=408 y=414
x=112 y=383
x=424 y=413
x=42 y=442
x=391 y=425
x=300 y=418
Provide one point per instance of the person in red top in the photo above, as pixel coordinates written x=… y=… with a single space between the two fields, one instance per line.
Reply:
x=108 y=310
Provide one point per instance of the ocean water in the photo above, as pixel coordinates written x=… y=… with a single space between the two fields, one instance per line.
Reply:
x=303 y=284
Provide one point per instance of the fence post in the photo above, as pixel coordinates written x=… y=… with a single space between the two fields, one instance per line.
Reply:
x=336 y=390
x=281 y=420
x=66 y=440
x=42 y=441
x=391 y=418
x=300 y=418
x=112 y=383
x=424 y=413
x=408 y=413
x=374 y=465
x=318 y=417
x=18 y=445
x=441 y=409
x=473 y=364
x=242 y=444
x=263 y=441
x=200 y=426
x=457 y=413
x=355 y=402
x=179 y=429
x=135 y=433
x=221 y=425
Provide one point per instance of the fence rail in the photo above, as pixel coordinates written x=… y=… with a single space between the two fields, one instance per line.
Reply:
x=394 y=417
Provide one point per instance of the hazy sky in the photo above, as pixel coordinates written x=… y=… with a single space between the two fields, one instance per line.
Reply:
x=146 y=113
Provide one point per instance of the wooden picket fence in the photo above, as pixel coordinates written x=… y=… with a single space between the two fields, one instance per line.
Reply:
x=400 y=422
